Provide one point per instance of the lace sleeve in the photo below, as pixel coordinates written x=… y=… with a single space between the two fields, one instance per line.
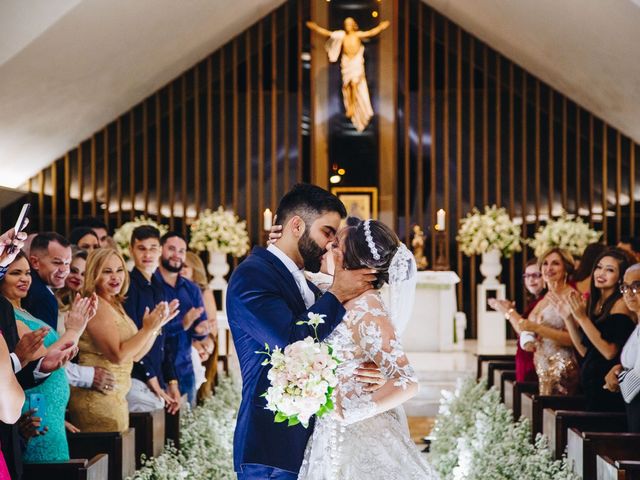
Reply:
x=374 y=333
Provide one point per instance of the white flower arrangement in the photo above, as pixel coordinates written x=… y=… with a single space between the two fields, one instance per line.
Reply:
x=206 y=441
x=303 y=378
x=219 y=231
x=493 y=229
x=122 y=235
x=571 y=234
x=476 y=439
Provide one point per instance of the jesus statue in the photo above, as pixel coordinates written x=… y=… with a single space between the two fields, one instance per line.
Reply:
x=355 y=92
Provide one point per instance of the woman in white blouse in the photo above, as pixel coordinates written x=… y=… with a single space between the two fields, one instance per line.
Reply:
x=625 y=377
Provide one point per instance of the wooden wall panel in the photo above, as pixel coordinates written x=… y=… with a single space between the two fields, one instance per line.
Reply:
x=199 y=142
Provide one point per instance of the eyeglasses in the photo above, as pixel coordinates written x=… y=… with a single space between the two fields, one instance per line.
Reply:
x=633 y=288
x=534 y=275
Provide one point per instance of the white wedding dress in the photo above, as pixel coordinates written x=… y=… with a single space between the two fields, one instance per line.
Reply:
x=365 y=443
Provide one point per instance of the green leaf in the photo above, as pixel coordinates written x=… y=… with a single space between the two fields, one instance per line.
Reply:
x=280 y=417
x=329 y=405
x=300 y=323
x=293 y=421
x=265 y=362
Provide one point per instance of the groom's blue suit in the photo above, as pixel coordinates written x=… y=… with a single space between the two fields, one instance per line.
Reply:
x=263 y=306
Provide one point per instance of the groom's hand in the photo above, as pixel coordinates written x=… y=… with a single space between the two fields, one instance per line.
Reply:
x=369 y=374
x=348 y=284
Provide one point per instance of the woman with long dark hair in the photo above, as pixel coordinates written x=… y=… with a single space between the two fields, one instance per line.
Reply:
x=600 y=328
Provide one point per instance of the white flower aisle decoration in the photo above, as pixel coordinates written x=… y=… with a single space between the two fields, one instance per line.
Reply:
x=571 y=234
x=221 y=233
x=303 y=378
x=122 y=235
x=489 y=234
x=476 y=439
x=206 y=441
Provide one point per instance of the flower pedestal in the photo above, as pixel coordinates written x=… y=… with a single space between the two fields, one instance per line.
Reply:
x=218 y=268
x=492 y=326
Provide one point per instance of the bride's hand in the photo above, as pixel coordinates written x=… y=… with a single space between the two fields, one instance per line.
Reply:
x=369 y=374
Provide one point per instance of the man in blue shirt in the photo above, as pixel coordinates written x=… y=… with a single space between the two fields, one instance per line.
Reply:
x=154 y=380
x=184 y=328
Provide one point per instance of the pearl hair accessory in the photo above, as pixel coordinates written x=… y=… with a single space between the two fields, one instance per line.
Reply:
x=369 y=239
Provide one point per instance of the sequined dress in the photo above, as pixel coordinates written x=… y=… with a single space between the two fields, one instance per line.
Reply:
x=365 y=444
x=556 y=365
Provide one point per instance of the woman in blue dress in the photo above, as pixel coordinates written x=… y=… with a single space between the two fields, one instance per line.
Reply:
x=50 y=446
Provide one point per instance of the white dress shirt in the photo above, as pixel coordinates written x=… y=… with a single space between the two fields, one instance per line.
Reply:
x=298 y=275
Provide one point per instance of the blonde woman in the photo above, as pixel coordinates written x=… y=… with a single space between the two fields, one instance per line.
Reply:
x=554 y=357
x=193 y=269
x=113 y=342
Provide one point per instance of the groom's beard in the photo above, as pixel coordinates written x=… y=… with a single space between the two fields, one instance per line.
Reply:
x=311 y=253
x=166 y=263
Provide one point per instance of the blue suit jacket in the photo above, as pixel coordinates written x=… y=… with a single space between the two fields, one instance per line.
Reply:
x=41 y=302
x=263 y=306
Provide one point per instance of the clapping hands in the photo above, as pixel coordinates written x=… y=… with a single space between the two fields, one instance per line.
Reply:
x=82 y=310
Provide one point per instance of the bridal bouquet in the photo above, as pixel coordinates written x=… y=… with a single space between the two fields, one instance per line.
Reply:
x=303 y=378
x=491 y=230
x=219 y=231
x=122 y=235
x=567 y=233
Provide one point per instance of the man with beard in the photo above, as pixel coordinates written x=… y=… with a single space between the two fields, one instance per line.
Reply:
x=267 y=295
x=184 y=328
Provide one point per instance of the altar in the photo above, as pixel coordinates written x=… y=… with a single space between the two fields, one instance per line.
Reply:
x=431 y=327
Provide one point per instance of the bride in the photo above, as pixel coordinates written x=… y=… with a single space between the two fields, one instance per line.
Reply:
x=367 y=436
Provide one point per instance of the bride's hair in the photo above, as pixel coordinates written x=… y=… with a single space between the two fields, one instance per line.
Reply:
x=359 y=254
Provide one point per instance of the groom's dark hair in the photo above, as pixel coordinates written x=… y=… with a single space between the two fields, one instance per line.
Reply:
x=309 y=202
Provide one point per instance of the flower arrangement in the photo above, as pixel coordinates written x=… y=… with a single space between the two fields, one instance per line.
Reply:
x=219 y=231
x=206 y=442
x=493 y=229
x=571 y=234
x=303 y=378
x=122 y=235
x=474 y=428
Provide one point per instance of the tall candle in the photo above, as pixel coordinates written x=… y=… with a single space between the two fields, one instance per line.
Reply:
x=267 y=220
x=441 y=219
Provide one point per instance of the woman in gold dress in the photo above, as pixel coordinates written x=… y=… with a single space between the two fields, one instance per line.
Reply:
x=554 y=356
x=112 y=342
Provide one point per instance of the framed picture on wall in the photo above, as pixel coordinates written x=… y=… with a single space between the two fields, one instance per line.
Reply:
x=361 y=202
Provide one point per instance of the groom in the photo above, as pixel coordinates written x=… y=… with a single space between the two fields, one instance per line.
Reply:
x=267 y=295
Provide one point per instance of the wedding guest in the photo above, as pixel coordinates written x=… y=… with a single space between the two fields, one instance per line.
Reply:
x=72 y=285
x=11 y=399
x=181 y=331
x=630 y=245
x=554 y=357
x=113 y=342
x=625 y=377
x=154 y=383
x=14 y=287
x=532 y=277
x=84 y=238
x=599 y=328
x=50 y=257
x=100 y=228
x=194 y=270
x=582 y=276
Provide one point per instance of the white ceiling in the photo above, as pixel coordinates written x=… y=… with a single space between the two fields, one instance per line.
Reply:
x=587 y=49
x=68 y=67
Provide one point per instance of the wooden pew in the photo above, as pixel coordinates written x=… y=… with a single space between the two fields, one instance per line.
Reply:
x=610 y=469
x=150 y=433
x=513 y=391
x=96 y=468
x=121 y=448
x=583 y=447
x=499 y=379
x=532 y=405
x=172 y=424
x=483 y=359
x=492 y=367
x=556 y=423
